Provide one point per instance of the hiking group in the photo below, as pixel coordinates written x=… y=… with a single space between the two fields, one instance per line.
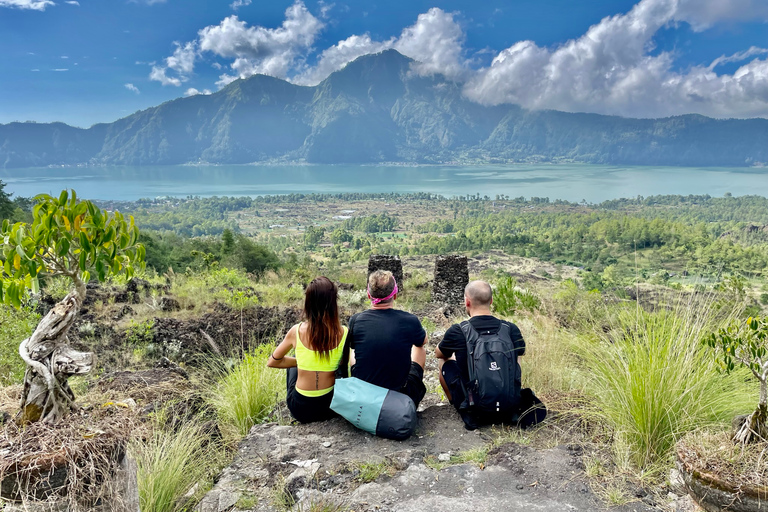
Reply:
x=384 y=349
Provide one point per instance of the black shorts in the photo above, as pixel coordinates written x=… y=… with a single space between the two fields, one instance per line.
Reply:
x=414 y=384
x=529 y=411
x=307 y=409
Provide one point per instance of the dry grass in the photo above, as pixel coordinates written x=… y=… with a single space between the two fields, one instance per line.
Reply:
x=714 y=453
x=86 y=450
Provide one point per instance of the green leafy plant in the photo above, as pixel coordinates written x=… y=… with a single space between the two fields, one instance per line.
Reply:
x=73 y=239
x=746 y=344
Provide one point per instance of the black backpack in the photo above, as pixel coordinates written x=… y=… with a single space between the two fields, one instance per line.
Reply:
x=494 y=374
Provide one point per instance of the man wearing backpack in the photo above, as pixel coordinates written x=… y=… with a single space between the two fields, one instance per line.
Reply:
x=478 y=366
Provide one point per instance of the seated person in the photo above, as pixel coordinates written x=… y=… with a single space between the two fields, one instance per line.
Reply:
x=387 y=345
x=319 y=344
x=453 y=363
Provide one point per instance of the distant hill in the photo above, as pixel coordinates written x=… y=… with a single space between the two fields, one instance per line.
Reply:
x=377 y=110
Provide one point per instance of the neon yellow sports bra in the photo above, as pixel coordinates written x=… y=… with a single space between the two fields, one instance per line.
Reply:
x=309 y=360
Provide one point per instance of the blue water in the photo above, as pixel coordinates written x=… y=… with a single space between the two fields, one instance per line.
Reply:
x=572 y=182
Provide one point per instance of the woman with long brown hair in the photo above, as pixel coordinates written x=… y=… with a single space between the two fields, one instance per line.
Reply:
x=318 y=342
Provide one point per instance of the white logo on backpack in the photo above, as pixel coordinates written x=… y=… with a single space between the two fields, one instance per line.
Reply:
x=494 y=367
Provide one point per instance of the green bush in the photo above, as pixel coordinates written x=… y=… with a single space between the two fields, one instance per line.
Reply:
x=248 y=393
x=653 y=382
x=15 y=326
x=508 y=298
x=172 y=463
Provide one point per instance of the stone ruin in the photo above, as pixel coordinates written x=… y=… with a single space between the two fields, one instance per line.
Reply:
x=387 y=262
x=451 y=277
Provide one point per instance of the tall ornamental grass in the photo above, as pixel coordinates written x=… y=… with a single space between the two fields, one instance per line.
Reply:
x=653 y=382
x=248 y=393
x=175 y=466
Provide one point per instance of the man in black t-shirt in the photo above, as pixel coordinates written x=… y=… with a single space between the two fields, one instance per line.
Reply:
x=387 y=345
x=453 y=365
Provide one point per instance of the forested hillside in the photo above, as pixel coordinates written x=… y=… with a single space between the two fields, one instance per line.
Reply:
x=376 y=110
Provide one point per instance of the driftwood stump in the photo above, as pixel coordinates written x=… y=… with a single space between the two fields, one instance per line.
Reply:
x=50 y=362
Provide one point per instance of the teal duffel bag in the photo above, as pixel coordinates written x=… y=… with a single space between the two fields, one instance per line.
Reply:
x=376 y=410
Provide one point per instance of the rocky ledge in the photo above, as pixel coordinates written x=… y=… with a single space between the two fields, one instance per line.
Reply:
x=333 y=466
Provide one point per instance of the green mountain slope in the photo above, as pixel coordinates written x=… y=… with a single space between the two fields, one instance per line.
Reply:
x=377 y=110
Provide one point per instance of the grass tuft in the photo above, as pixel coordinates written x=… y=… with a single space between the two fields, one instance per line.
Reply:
x=175 y=468
x=653 y=382
x=249 y=393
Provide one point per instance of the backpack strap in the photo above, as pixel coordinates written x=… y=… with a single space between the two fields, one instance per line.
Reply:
x=471 y=336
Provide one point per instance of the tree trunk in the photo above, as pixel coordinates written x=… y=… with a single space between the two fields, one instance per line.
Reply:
x=755 y=427
x=50 y=362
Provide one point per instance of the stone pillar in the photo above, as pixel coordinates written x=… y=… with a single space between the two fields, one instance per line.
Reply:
x=451 y=277
x=386 y=262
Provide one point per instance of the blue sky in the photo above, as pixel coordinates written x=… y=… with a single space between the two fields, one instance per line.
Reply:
x=89 y=61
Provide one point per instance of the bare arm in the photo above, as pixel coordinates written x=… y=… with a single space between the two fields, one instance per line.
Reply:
x=279 y=358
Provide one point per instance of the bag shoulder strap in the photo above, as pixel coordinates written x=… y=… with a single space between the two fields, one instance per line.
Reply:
x=471 y=336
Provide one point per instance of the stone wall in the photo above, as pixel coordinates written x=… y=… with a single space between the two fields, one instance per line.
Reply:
x=451 y=277
x=386 y=262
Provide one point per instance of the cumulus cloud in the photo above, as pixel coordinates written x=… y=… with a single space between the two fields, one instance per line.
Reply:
x=337 y=56
x=239 y=3
x=35 y=5
x=255 y=49
x=194 y=92
x=132 y=88
x=181 y=63
x=435 y=41
x=610 y=69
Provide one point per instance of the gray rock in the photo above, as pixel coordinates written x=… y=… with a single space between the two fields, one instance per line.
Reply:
x=400 y=473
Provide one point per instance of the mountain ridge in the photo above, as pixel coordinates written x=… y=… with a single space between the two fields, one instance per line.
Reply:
x=377 y=110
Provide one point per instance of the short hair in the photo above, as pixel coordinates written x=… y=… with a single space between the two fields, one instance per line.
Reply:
x=479 y=293
x=381 y=283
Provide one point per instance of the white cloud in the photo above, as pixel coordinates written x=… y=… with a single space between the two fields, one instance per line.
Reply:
x=435 y=41
x=35 y=5
x=610 y=69
x=61 y=69
x=132 y=88
x=182 y=63
x=72 y=2
x=263 y=50
x=255 y=49
x=239 y=3
x=337 y=56
x=194 y=92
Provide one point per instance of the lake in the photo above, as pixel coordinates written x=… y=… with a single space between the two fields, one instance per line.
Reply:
x=572 y=182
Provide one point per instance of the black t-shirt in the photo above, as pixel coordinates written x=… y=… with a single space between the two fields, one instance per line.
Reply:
x=454 y=341
x=382 y=341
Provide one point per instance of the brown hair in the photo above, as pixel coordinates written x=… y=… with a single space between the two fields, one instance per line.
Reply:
x=321 y=312
x=381 y=283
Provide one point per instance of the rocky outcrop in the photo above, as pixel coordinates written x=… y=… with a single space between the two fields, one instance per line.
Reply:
x=442 y=468
x=451 y=277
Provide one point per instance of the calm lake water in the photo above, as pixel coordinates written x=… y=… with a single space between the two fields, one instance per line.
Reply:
x=592 y=183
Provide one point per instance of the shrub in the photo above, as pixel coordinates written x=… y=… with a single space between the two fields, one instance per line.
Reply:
x=248 y=393
x=15 y=325
x=508 y=298
x=171 y=464
x=653 y=382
